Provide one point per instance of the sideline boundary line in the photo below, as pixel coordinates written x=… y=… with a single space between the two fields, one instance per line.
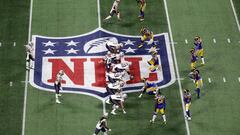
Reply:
x=176 y=67
x=100 y=26
x=27 y=72
x=235 y=15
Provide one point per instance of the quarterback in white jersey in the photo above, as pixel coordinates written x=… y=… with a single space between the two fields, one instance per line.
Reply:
x=58 y=85
x=30 y=55
x=114 y=10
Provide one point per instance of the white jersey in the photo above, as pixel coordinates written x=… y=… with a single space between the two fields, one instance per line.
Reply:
x=117 y=97
x=59 y=78
x=115 y=6
x=115 y=75
x=114 y=85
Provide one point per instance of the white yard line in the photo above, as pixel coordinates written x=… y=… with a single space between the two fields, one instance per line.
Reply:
x=176 y=67
x=99 y=14
x=10 y=84
x=224 y=79
x=228 y=40
x=99 y=26
x=235 y=15
x=209 y=80
x=27 y=72
x=214 y=40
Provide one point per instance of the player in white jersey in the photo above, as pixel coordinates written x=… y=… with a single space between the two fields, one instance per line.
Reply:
x=102 y=126
x=118 y=101
x=114 y=10
x=30 y=55
x=58 y=85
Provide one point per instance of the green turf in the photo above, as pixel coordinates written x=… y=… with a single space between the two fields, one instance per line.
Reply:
x=215 y=112
x=154 y=17
x=13 y=28
x=78 y=113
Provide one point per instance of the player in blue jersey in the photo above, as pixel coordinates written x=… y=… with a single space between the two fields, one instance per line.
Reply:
x=198 y=81
x=199 y=48
x=160 y=107
x=187 y=101
x=142 y=9
x=148 y=87
x=154 y=62
x=146 y=34
x=193 y=60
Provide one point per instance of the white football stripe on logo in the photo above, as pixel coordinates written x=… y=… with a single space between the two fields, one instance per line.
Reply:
x=98 y=45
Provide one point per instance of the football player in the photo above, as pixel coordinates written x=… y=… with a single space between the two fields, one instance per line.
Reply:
x=142 y=9
x=30 y=56
x=193 y=59
x=199 y=48
x=58 y=85
x=114 y=10
x=154 y=62
x=198 y=81
x=148 y=87
x=112 y=88
x=146 y=35
x=114 y=47
x=187 y=100
x=102 y=126
x=108 y=59
x=118 y=101
x=160 y=107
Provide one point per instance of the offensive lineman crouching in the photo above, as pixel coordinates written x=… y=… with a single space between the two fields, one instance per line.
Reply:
x=57 y=85
x=102 y=126
x=117 y=100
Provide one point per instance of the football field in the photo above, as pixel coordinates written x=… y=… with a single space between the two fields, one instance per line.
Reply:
x=27 y=110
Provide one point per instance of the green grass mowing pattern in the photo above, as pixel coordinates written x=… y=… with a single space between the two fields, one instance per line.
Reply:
x=61 y=18
x=13 y=28
x=155 y=18
x=217 y=109
x=78 y=114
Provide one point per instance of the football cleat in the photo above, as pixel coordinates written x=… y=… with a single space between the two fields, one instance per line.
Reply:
x=57 y=101
x=151 y=121
x=141 y=19
x=124 y=112
x=113 y=113
x=189 y=118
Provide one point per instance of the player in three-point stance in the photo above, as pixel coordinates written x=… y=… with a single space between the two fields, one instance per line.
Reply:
x=117 y=100
x=160 y=107
x=187 y=101
x=149 y=87
x=199 y=48
x=146 y=34
x=114 y=10
x=142 y=9
x=102 y=126
x=30 y=56
x=58 y=85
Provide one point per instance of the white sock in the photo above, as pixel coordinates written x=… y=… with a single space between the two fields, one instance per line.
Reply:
x=203 y=62
x=56 y=96
x=154 y=117
x=164 y=117
x=108 y=17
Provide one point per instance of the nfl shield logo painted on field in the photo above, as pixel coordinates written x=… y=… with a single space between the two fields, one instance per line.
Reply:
x=80 y=57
